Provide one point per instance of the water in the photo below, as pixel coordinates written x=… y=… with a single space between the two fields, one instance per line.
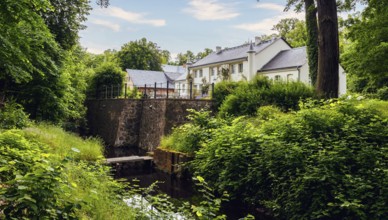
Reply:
x=177 y=188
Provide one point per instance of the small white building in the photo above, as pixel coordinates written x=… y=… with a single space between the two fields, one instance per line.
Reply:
x=274 y=58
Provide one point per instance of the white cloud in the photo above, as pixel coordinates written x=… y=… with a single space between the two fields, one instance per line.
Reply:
x=132 y=17
x=265 y=26
x=107 y=24
x=208 y=10
x=270 y=6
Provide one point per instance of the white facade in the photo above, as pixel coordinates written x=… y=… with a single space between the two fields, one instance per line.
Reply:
x=251 y=62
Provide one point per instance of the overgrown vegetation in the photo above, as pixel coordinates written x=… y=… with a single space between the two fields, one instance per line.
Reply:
x=325 y=161
x=246 y=97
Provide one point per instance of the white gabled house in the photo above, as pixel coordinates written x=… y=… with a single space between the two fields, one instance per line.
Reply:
x=274 y=58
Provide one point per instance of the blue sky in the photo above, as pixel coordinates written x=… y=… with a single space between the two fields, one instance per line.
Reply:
x=181 y=25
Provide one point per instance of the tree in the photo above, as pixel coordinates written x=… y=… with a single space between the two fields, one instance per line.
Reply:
x=292 y=30
x=328 y=56
x=140 y=54
x=183 y=58
x=201 y=55
x=106 y=75
x=65 y=20
x=166 y=56
x=27 y=47
x=366 y=56
x=312 y=33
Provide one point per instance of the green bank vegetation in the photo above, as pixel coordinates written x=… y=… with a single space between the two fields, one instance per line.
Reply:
x=48 y=173
x=319 y=160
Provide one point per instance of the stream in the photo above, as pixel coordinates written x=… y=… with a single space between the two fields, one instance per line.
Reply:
x=177 y=188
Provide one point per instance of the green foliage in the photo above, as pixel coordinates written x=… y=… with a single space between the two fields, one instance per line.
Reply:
x=366 y=55
x=140 y=55
x=107 y=74
x=382 y=93
x=47 y=173
x=189 y=137
x=292 y=30
x=326 y=161
x=249 y=96
x=65 y=20
x=13 y=116
x=222 y=90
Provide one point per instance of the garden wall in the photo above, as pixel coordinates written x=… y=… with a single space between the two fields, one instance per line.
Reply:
x=134 y=122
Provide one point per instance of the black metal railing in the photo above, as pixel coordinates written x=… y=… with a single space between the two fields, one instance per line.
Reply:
x=155 y=91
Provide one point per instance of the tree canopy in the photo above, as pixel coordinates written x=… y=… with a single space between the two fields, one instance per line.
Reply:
x=140 y=54
x=365 y=58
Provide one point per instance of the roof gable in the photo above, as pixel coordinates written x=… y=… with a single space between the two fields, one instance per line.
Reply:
x=233 y=53
x=287 y=59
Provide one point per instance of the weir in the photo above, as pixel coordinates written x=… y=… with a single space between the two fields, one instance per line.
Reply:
x=138 y=122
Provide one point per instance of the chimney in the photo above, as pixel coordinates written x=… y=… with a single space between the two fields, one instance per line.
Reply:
x=257 y=40
x=218 y=49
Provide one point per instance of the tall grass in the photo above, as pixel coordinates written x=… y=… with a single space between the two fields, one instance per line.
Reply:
x=62 y=143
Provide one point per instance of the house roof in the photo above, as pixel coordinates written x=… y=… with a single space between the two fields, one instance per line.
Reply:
x=233 y=53
x=173 y=69
x=149 y=78
x=287 y=59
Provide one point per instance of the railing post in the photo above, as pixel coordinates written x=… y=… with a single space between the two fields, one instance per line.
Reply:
x=106 y=91
x=118 y=90
x=212 y=91
x=191 y=90
x=145 y=90
x=167 y=89
x=111 y=91
x=125 y=91
x=155 y=91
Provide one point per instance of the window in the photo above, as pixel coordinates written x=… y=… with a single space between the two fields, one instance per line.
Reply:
x=240 y=68
x=196 y=74
x=277 y=77
x=233 y=68
x=200 y=73
x=289 y=77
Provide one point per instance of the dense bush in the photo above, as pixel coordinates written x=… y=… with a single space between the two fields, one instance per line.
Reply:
x=188 y=138
x=13 y=116
x=46 y=173
x=322 y=162
x=222 y=90
x=107 y=74
x=248 y=97
x=382 y=93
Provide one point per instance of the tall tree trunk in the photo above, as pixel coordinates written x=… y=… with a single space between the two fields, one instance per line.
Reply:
x=328 y=56
x=312 y=39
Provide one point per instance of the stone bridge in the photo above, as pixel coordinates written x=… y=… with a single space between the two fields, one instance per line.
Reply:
x=138 y=122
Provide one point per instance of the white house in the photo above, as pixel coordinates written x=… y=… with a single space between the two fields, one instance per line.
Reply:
x=274 y=58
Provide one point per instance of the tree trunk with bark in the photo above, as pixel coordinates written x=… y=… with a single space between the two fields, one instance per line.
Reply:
x=312 y=39
x=328 y=58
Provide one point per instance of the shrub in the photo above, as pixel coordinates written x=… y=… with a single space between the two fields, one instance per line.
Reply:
x=188 y=138
x=382 y=93
x=222 y=90
x=248 y=97
x=323 y=162
x=108 y=74
x=13 y=116
x=38 y=180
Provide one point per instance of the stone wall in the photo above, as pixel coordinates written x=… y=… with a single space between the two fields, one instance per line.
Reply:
x=132 y=122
